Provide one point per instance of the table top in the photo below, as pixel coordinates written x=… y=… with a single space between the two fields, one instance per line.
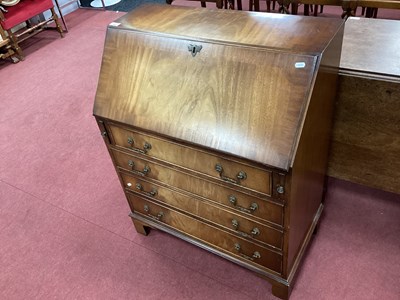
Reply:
x=274 y=31
x=371 y=47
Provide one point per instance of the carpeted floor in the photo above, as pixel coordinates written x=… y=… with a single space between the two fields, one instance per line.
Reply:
x=64 y=226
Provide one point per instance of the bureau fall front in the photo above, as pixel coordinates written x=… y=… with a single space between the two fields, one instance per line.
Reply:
x=218 y=123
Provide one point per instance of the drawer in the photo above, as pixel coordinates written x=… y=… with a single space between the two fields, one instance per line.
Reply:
x=208 y=234
x=233 y=172
x=189 y=203
x=265 y=210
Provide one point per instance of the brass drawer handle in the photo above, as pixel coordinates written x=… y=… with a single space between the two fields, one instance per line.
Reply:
x=152 y=193
x=146 y=169
x=254 y=231
x=256 y=254
x=240 y=176
x=157 y=218
x=251 y=209
x=146 y=147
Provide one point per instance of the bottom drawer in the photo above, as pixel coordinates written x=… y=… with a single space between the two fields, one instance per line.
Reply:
x=206 y=233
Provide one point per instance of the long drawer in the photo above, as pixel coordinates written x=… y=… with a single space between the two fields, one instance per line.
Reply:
x=233 y=222
x=234 y=172
x=265 y=210
x=223 y=241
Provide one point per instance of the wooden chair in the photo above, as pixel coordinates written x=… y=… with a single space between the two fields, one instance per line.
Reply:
x=255 y=5
x=6 y=51
x=372 y=6
x=21 y=13
x=218 y=3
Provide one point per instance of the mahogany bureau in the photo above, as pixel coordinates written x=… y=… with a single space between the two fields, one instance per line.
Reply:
x=218 y=123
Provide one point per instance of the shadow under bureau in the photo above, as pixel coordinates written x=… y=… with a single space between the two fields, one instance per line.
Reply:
x=218 y=123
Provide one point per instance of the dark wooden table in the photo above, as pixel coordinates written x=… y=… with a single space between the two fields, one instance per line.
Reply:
x=366 y=138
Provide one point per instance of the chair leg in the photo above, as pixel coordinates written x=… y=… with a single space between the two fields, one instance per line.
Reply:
x=14 y=59
x=375 y=13
x=56 y=20
x=306 y=9
x=268 y=5
x=62 y=16
x=15 y=45
x=295 y=8
x=371 y=12
x=7 y=51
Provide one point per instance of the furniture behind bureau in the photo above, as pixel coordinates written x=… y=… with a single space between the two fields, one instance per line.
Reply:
x=218 y=123
x=366 y=136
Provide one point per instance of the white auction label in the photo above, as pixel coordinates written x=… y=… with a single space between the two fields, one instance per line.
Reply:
x=300 y=65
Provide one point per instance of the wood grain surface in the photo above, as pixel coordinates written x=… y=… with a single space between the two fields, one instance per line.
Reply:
x=267 y=210
x=275 y=31
x=272 y=212
x=257 y=179
x=208 y=211
x=257 y=96
x=371 y=46
x=209 y=234
x=366 y=136
x=251 y=100
x=243 y=99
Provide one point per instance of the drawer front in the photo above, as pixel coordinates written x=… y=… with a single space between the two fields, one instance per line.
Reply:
x=225 y=170
x=208 y=234
x=263 y=209
x=205 y=210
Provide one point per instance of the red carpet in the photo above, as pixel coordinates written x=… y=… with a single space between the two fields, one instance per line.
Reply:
x=64 y=226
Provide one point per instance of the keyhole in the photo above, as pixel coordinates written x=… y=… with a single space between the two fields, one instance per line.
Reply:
x=194 y=49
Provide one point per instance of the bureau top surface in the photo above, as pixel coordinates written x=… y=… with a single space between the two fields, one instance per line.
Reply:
x=247 y=101
x=279 y=31
x=371 y=46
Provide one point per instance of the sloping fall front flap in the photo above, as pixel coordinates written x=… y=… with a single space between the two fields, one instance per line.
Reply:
x=241 y=100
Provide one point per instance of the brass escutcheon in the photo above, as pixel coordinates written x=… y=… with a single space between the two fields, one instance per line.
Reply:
x=194 y=49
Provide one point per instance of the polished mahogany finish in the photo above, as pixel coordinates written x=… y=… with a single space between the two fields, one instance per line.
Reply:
x=218 y=124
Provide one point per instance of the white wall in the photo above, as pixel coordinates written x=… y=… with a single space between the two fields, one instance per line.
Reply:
x=66 y=7
x=73 y=5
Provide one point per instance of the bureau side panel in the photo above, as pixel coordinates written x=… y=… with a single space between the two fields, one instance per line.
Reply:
x=366 y=136
x=311 y=158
